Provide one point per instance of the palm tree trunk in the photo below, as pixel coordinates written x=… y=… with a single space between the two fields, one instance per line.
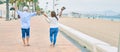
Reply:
x=35 y=6
x=7 y=10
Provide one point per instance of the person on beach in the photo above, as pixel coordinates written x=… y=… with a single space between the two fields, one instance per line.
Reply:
x=25 y=17
x=53 y=21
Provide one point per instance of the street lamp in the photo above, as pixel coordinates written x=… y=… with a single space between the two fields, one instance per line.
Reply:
x=46 y=6
x=53 y=4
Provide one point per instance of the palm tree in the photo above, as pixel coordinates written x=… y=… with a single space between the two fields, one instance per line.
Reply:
x=35 y=4
x=12 y=1
x=20 y=4
x=7 y=10
x=1 y=2
x=30 y=1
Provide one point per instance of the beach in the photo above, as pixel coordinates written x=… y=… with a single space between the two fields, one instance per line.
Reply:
x=107 y=31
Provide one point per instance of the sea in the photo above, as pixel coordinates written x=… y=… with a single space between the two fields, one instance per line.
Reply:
x=110 y=18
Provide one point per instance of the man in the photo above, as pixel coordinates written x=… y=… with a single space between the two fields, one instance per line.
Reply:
x=25 y=17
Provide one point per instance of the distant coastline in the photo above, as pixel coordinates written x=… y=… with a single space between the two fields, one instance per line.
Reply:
x=111 y=17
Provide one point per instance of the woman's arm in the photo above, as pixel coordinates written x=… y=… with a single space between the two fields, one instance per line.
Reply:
x=60 y=14
x=45 y=15
x=42 y=12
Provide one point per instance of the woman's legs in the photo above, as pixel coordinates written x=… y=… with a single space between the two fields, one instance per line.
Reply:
x=55 y=35
x=51 y=34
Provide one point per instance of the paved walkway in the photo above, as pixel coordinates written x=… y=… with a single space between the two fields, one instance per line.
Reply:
x=10 y=38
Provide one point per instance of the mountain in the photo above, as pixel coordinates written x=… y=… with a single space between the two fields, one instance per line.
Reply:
x=105 y=13
x=110 y=13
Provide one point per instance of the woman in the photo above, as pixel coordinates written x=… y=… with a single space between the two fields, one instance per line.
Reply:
x=53 y=19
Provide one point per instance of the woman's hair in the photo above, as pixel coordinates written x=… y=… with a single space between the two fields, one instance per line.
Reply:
x=53 y=14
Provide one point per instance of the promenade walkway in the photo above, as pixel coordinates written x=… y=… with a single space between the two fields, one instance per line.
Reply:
x=10 y=38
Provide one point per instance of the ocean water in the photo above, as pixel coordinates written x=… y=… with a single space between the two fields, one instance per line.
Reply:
x=111 y=18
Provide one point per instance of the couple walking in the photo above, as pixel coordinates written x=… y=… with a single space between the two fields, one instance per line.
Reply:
x=25 y=17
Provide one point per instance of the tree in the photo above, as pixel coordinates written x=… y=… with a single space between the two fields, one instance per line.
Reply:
x=1 y=2
x=12 y=1
x=35 y=4
x=7 y=10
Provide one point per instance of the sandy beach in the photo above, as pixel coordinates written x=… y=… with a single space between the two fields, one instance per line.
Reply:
x=107 y=31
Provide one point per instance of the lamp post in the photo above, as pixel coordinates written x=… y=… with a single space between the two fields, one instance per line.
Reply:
x=53 y=4
x=7 y=10
x=46 y=7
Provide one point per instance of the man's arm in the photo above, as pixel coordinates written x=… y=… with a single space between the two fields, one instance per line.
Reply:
x=16 y=8
x=33 y=13
x=17 y=11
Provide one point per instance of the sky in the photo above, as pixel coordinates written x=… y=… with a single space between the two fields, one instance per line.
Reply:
x=83 y=5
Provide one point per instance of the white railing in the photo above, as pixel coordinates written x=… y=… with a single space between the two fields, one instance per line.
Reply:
x=92 y=44
x=0 y=13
